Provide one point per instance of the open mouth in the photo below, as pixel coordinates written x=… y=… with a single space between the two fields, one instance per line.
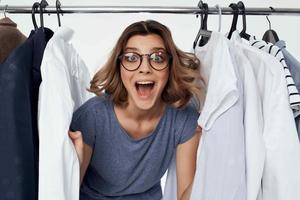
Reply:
x=144 y=88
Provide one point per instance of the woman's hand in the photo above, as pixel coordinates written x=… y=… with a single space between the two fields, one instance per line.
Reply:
x=84 y=151
x=77 y=140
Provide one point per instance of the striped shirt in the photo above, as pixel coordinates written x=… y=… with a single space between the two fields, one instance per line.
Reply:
x=294 y=96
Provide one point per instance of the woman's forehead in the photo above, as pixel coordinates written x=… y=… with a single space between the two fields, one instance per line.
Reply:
x=148 y=42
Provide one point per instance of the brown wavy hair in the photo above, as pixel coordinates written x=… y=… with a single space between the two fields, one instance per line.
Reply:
x=184 y=80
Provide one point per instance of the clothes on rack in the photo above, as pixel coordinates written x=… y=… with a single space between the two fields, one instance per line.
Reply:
x=250 y=120
x=280 y=178
x=221 y=155
x=272 y=151
x=19 y=82
x=62 y=91
x=253 y=122
x=294 y=97
x=10 y=37
x=294 y=66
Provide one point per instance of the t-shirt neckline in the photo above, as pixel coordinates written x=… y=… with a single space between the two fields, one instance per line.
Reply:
x=125 y=133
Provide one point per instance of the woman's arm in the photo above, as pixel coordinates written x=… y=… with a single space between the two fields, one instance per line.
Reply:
x=186 y=156
x=84 y=152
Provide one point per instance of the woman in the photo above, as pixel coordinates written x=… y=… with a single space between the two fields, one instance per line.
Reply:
x=126 y=137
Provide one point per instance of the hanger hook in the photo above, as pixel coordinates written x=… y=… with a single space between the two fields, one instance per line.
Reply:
x=58 y=10
x=269 y=22
x=273 y=10
x=200 y=6
x=43 y=5
x=235 y=11
x=242 y=8
x=220 y=17
x=5 y=10
x=34 y=9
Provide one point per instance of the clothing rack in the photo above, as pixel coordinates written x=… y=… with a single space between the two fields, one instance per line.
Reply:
x=149 y=9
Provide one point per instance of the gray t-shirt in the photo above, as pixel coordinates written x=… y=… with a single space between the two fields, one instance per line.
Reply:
x=123 y=168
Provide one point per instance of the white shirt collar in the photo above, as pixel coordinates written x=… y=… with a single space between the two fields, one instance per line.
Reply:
x=65 y=33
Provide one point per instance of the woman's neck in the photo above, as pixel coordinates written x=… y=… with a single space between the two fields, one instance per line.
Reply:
x=133 y=112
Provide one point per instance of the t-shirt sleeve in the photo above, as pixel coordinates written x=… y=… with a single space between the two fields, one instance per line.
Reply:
x=84 y=120
x=187 y=124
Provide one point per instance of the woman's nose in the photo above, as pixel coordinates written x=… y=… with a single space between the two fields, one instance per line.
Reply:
x=145 y=64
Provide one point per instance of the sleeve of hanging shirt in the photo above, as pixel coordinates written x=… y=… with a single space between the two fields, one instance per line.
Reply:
x=63 y=89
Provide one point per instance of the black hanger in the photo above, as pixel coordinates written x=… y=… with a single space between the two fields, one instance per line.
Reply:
x=43 y=5
x=201 y=21
x=58 y=10
x=34 y=9
x=204 y=7
x=235 y=18
x=270 y=35
x=243 y=33
x=203 y=31
x=203 y=24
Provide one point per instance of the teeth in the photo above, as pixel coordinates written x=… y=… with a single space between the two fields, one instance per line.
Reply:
x=145 y=82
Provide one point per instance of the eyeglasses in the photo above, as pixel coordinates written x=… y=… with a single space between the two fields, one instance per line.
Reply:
x=131 y=61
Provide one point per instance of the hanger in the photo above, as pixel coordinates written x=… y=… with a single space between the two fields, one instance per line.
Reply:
x=34 y=9
x=270 y=35
x=203 y=27
x=220 y=17
x=58 y=10
x=234 y=19
x=43 y=5
x=201 y=20
x=6 y=21
x=243 y=33
x=203 y=31
x=4 y=12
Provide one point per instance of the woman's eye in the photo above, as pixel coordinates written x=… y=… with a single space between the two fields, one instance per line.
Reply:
x=131 y=57
x=158 y=57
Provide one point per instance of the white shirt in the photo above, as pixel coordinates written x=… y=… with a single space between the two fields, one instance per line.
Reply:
x=170 y=189
x=220 y=170
x=281 y=177
x=63 y=89
x=253 y=122
x=294 y=97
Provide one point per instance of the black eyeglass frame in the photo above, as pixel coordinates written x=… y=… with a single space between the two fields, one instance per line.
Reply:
x=168 y=58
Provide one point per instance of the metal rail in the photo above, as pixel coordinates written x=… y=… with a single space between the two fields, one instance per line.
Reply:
x=149 y=9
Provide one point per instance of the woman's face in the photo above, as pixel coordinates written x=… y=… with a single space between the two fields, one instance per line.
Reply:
x=145 y=84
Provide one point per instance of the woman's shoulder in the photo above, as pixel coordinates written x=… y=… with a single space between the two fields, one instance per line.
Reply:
x=185 y=121
x=183 y=116
x=94 y=104
x=185 y=111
